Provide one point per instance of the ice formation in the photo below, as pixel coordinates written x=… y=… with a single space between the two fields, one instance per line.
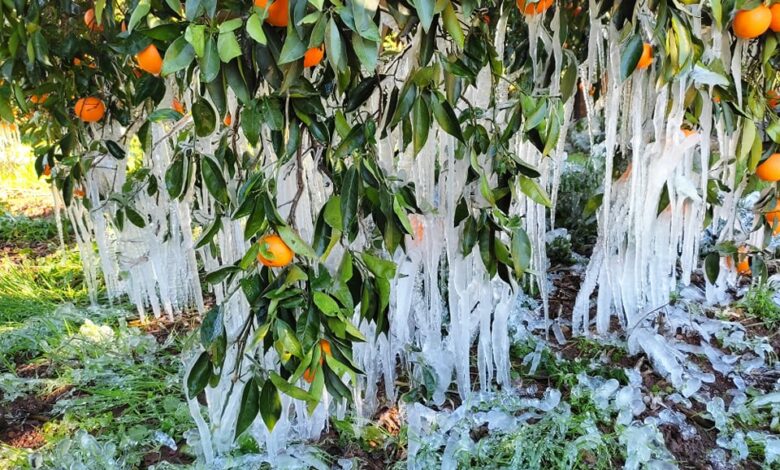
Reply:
x=444 y=304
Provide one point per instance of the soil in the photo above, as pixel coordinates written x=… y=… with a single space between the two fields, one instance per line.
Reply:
x=16 y=252
x=692 y=453
x=20 y=420
x=166 y=454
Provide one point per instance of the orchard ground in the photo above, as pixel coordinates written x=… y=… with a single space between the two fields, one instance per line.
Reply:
x=86 y=386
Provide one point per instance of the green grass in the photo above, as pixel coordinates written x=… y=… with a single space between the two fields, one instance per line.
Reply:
x=123 y=390
x=759 y=303
x=31 y=286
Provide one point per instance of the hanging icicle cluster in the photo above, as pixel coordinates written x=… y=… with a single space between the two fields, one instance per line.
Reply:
x=369 y=186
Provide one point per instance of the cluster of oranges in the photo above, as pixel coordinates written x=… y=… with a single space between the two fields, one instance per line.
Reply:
x=750 y=24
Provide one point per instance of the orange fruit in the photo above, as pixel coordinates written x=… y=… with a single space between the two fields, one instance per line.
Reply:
x=278 y=12
x=177 y=106
x=688 y=132
x=79 y=193
x=325 y=346
x=76 y=61
x=313 y=56
x=749 y=24
x=769 y=170
x=646 y=58
x=274 y=252
x=39 y=99
x=308 y=375
x=228 y=120
x=772 y=96
x=91 y=21
x=773 y=218
x=46 y=170
x=90 y=109
x=774 y=25
x=149 y=60
x=743 y=265
x=534 y=8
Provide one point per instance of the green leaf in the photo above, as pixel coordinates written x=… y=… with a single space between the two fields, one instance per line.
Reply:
x=452 y=25
x=204 y=117
x=631 y=55
x=325 y=303
x=295 y=242
x=289 y=389
x=270 y=405
x=367 y=51
x=210 y=232
x=211 y=327
x=209 y=66
x=251 y=123
x=230 y=25
x=532 y=189
x=336 y=51
x=115 y=150
x=363 y=12
x=227 y=46
x=134 y=217
x=349 y=198
x=421 y=119
x=199 y=375
x=521 y=251
x=354 y=140
x=425 y=12
x=381 y=268
x=254 y=27
x=178 y=56
x=140 y=11
x=219 y=275
x=293 y=48
x=215 y=182
x=195 y=34
x=165 y=114
x=445 y=116
x=174 y=178
x=712 y=267
x=250 y=405
x=332 y=213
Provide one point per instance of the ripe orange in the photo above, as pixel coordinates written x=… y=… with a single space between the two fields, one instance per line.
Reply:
x=646 y=58
x=772 y=96
x=79 y=193
x=743 y=266
x=90 y=109
x=325 y=346
x=773 y=218
x=39 y=99
x=274 y=252
x=149 y=60
x=774 y=25
x=278 y=12
x=91 y=21
x=313 y=56
x=534 y=8
x=76 y=61
x=418 y=227
x=308 y=375
x=228 y=120
x=769 y=170
x=46 y=170
x=177 y=106
x=749 y=24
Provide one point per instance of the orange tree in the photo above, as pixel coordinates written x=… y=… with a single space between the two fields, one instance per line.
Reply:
x=275 y=83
